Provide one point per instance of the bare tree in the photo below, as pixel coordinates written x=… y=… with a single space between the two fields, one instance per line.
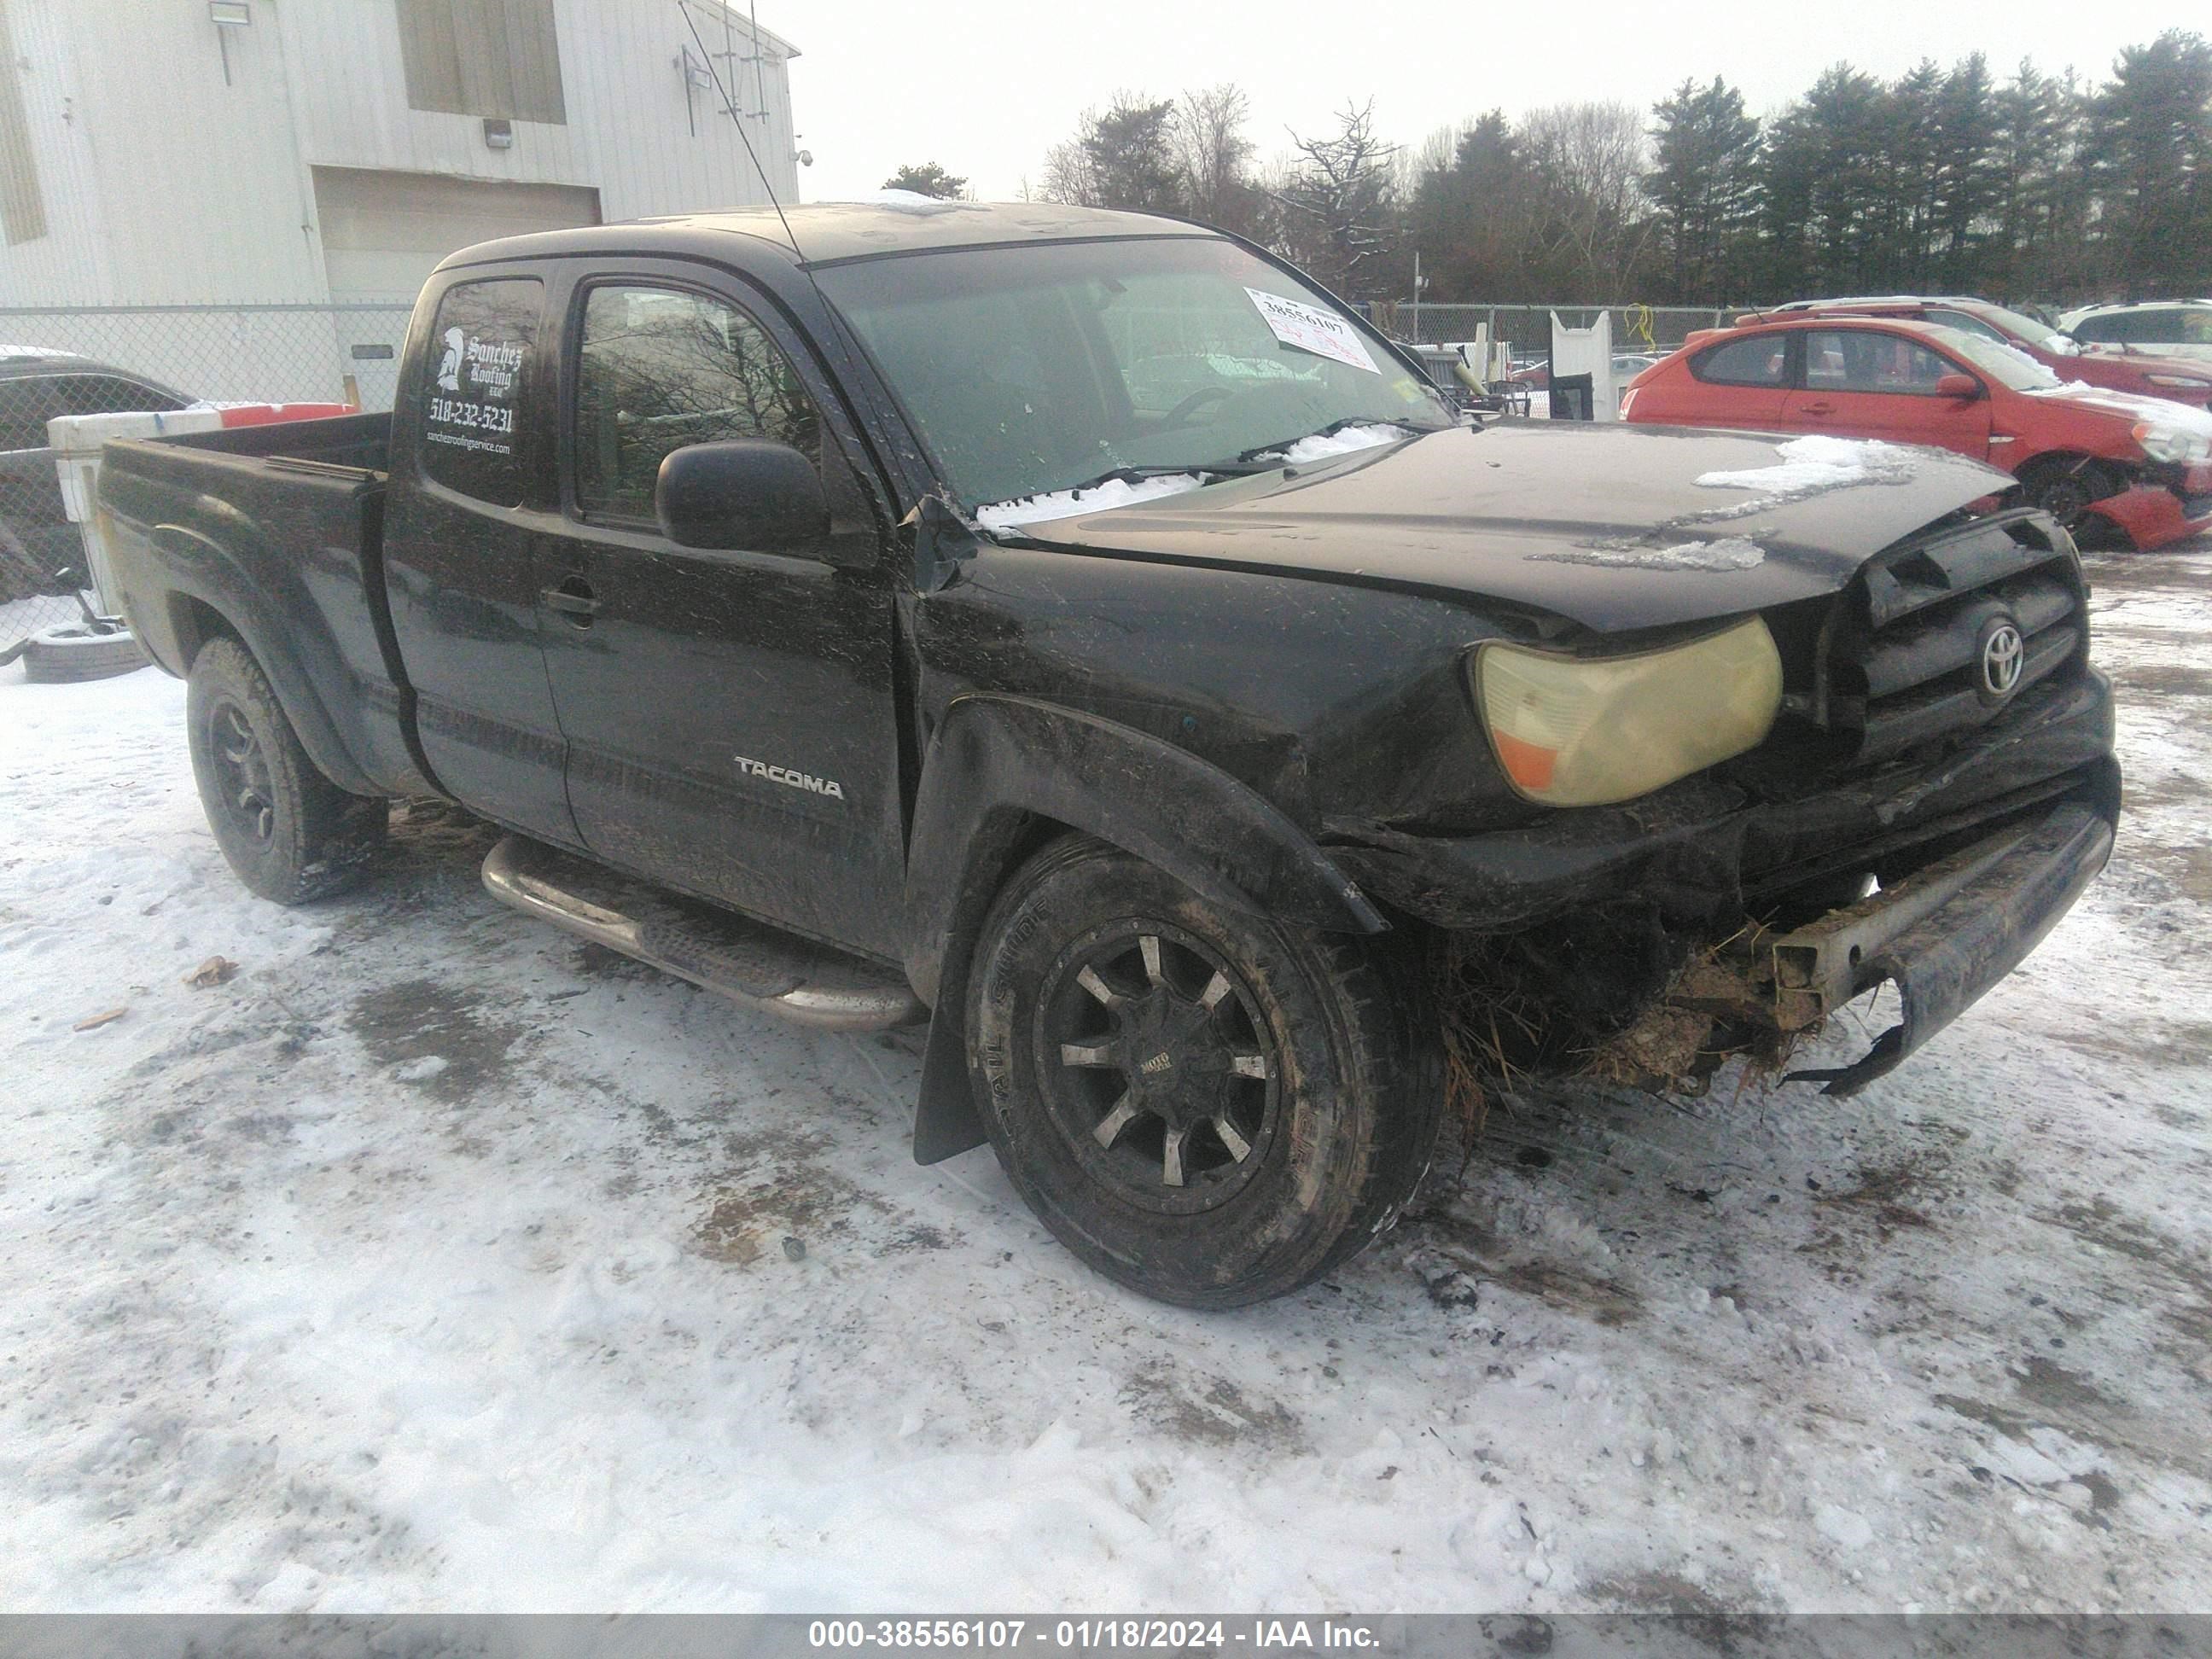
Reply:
x=1068 y=174
x=1591 y=159
x=1214 y=155
x=1336 y=201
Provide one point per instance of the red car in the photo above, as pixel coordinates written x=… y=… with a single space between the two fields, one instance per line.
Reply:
x=2112 y=366
x=2088 y=457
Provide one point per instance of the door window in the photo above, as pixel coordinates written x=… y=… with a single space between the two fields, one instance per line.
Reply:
x=660 y=368
x=475 y=374
x=1860 y=359
x=1758 y=360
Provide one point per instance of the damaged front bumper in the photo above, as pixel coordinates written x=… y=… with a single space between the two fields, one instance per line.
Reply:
x=1942 y=936
x=1977 y=853
x=2154 y=513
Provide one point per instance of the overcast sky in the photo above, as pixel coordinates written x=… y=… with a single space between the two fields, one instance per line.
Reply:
x=984 y=86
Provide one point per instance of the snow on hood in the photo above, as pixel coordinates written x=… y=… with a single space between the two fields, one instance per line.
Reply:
x=2134 y=406
x=1814 y=465
x=1066 y=503
x=1487 y=513
x=1723 y=553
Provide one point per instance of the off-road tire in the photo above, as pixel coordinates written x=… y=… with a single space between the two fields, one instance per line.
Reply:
x=76 y=650
x=288 y=832
x=1351 y=1108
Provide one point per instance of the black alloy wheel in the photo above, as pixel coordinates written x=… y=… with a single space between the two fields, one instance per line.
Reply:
x=288 y=832
x=1206 y=1103
x=245 y=789
x=1157 y=1067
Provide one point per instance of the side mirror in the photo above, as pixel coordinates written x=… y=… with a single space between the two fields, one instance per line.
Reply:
x=748 y=494
x=1951 y=386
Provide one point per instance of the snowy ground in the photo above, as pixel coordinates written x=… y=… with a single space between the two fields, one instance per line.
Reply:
x=434 y=1262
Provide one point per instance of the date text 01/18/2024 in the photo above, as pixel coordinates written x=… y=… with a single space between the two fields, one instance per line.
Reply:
x=1173 y=1635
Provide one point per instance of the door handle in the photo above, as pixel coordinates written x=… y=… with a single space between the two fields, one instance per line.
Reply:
x=1821 y=408
x=574 y=599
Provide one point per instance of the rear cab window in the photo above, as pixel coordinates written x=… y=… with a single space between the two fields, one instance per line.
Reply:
x=1762 y=360
x=481 y=354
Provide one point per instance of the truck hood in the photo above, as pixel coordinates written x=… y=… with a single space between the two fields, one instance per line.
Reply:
x=1615 y=527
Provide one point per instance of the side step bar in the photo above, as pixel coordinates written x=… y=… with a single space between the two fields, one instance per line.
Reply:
x=748 y=962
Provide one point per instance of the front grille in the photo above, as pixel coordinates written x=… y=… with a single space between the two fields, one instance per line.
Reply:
x=1900 y=660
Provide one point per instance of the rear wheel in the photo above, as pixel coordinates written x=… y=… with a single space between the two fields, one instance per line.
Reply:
x=1209 y=1107
x=289 y=833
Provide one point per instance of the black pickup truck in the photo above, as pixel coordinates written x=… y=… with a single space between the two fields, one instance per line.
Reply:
x=1079 y=630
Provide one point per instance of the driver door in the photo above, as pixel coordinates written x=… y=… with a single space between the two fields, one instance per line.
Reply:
x=1869 y=383
x=729 y=712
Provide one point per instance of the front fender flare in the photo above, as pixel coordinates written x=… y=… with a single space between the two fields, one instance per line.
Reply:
x=997 y=764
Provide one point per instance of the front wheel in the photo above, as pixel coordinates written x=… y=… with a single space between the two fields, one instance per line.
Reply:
x=1209 y=1107
x=288 y=832
x=2066 y=490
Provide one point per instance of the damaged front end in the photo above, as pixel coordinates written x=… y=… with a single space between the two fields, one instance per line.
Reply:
x=1940 y=790
x=1620 y=995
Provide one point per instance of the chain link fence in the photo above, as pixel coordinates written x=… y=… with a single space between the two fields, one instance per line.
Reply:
x=105 y=359
x=1528 y=328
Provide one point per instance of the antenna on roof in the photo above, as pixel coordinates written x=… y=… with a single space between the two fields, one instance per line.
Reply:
x=737 y=120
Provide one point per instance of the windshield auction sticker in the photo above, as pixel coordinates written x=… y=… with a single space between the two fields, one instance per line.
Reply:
x=1311 y=329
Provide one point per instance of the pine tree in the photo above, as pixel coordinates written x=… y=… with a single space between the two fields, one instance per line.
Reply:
x=1705 y=183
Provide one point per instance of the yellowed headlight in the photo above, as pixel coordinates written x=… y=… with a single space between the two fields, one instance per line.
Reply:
x=1588 y=731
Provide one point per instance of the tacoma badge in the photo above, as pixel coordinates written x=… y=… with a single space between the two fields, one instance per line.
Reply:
x=789 y=778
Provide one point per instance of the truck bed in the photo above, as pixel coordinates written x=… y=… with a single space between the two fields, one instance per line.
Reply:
x=276 y=530
x=351 y=443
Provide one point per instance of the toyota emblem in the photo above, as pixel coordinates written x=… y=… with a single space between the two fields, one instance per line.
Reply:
x=2003 y=653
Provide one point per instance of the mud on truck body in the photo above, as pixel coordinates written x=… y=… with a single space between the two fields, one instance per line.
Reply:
x=1078 y=630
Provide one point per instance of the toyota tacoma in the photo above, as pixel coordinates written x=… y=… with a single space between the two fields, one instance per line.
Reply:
x=1080 y=631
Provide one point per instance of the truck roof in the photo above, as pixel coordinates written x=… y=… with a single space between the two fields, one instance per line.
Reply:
x=827 y=233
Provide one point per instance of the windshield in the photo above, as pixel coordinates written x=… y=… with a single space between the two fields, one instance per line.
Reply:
x=2035 y=331
x=1037 y=368
x=2003 y=363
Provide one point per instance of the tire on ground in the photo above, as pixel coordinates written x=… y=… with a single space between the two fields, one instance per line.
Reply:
x=1335 y=1138
x=289 y=833
x=78 y=651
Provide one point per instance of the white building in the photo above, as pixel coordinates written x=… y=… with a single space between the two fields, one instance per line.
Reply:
x=322 y=152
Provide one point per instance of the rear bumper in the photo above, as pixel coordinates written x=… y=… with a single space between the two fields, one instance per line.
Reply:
x=1942 y=937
